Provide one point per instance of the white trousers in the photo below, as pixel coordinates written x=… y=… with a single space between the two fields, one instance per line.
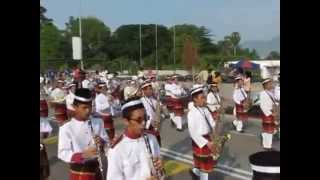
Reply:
x=177 y=120
x=267 y=140
x=238 y=124
x=202 y=175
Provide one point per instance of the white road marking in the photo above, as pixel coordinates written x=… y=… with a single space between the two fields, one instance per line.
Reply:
x=222 y=168
x=218 y=169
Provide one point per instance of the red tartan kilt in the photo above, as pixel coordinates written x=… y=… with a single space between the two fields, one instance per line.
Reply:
x=215 y=115
x=44 y=110
x=83 y=176
x=241 y=115
x=268 y=125
x=90 y=172
x=60 y=112
x=108 y=121
x=175 y=105
x=202 y=158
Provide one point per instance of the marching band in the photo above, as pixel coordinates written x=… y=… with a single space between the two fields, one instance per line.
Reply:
x=86 y=108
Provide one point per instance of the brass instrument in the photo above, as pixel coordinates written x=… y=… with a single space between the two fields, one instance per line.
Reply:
x=247 y=103
x=101 y=155
x=219 y=142
x=158 y=173
x=157 y=117
x=276 y=111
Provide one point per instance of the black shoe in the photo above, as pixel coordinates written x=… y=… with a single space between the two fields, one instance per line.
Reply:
x=180 y=130
x=242 y=131
x=193 y=176
x=234 y=126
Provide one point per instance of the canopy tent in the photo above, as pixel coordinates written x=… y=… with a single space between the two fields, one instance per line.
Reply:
x=245 y=64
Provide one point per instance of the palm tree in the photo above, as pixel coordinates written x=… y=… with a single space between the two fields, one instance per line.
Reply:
x=235 y=39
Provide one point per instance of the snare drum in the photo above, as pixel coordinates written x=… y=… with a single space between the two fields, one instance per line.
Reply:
x=60 y=112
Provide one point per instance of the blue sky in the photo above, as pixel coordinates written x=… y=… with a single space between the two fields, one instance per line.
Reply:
x=254 y=19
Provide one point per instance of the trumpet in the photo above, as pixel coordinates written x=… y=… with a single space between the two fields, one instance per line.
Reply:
x=158 y=173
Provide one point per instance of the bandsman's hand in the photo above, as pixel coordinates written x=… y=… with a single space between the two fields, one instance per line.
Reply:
x=158 y=164
x=89 y=152
x=98 y=140
x=211 y=147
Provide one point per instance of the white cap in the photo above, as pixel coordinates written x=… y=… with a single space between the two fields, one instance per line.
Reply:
x=129 y=91
x=266 y=80
x=196 y=89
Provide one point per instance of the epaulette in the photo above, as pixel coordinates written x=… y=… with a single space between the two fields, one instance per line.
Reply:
x=117 y=141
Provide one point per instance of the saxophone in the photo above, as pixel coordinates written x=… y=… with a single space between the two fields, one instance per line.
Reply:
x=217 y=140
x=247 y=103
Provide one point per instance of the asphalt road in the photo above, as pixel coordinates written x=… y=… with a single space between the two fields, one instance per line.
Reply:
x=176 y=147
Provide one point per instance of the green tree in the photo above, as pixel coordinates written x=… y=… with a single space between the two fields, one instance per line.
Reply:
x=273 y=55
x=235 y=40
x=50 y=42
x=43 y=19
x=95 y=36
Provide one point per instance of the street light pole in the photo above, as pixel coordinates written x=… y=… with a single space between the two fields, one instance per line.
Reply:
x=140 y=45
x=174 y=46
x=80 y=33
x=157 y=50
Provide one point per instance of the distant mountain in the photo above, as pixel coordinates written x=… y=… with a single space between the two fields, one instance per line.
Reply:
x=263 y=47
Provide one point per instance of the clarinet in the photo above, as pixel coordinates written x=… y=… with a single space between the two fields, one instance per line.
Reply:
x=158 y=173
x=100 y=152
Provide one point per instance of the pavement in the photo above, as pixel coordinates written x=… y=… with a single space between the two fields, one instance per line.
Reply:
x=177 y=153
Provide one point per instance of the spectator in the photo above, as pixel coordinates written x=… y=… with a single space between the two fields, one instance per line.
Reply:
x=217 y=78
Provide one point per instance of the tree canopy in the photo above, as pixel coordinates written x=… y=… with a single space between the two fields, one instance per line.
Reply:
x=120 y=49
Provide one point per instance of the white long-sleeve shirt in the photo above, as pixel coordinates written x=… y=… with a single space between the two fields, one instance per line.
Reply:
x=149 y=104
x=239 y=95
x=277 y=93
x=213 y=101
x=75 y=136
x=69 y=101
x=102 y=104
x=266 y=103
x=129 y=159
x=198 y=126
x=173 y=90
